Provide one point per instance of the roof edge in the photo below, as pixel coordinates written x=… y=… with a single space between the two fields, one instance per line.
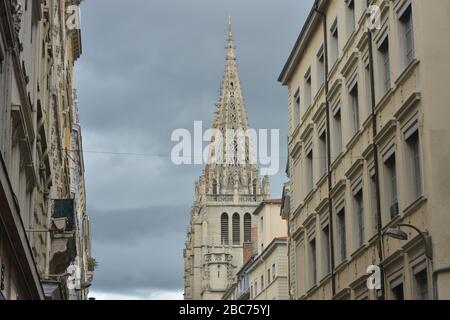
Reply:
x=300 y=43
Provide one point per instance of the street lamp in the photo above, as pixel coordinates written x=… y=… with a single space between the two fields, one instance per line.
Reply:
x=398 y=234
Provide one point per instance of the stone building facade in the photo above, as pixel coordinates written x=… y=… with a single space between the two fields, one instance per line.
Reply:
x=39 y=44
x=368 y=151
x=226 y=195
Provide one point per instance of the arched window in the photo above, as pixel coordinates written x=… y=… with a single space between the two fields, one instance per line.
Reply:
x=224 y=228
x=236 y=229
x=254 y=187
x=247 y=227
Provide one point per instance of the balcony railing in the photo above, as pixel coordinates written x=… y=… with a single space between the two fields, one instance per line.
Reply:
x=250 y=198
x=230 y=198
x=65 y=208
x=219 y=198
x=63 y=246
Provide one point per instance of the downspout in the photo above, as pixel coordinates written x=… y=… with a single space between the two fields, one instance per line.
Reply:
x=289 y=258
x=375 y=160
x=289 y=268
x=329 y=176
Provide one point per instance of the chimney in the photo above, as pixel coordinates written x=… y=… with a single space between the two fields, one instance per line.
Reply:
x=255 y=239
x=250 y=247
x=248 y=251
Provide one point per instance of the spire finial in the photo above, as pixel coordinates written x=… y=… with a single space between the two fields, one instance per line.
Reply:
x=230 y=42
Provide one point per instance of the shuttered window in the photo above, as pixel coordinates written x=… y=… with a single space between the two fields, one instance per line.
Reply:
x=224 y=229
x=247 y=227
x=236 y=229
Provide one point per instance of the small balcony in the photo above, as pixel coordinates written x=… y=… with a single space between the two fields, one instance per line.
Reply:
x=63 y=248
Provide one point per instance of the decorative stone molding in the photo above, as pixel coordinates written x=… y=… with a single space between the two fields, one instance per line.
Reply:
x=17 y=13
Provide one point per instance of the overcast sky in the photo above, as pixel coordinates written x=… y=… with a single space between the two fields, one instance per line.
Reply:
x=149 y=67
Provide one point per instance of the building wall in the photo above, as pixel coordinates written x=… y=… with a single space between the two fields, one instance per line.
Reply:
x=269 y=264
x=275 y=287
x=269 y=224
x=38 y=52
x=412 y=105
x=435 y=74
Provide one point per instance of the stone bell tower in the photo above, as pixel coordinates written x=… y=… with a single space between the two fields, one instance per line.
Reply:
x=226 y=195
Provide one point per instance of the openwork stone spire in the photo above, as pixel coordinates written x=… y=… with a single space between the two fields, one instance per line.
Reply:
x=235 y=172
x=231 y=112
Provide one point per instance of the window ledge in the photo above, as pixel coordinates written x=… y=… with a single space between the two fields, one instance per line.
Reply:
x=307 y=112
x=373 y=239
x=322 y=179
x=416 y=204
x=350 y=40
x=298 y=210
x=391 y=223
x=362 y=20
x=298 y=233
x=341 y=266
x=407 y=71
x=383 y=101
x=354 y=139
x=312 y=290
x=295 y=132
x=302 y=297
x=319 y=92
x=358 y=252
x=367 y=122
x=325 y=278
x=337 y=161
x=309 y=196
x=295 y=151
x=333 y=69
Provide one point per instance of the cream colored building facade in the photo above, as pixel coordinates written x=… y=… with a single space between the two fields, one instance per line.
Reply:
x=39 y=230
x=334 y=220
x=267 y=273
x=264 y=274
x=226 y=195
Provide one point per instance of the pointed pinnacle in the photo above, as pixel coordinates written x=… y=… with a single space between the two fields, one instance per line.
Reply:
x=230 y=30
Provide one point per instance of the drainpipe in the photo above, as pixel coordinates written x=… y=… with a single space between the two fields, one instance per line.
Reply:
x=435 y=278
x=289 y=243
x=375 y=160
x=329 y=176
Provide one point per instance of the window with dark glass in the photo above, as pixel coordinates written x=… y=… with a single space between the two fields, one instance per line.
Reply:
x=391 y=186
x=359 y=212
x=247 y=227
x=342 y=241
x=236 y=229
x=224 y=229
